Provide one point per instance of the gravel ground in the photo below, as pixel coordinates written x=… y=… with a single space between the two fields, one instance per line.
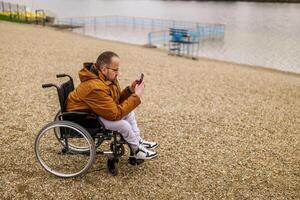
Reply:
x=226 y=131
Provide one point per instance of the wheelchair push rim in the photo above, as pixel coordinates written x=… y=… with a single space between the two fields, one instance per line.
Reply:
x=47 y=147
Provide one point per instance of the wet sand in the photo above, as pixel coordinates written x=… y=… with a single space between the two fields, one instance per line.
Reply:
x=226 y=131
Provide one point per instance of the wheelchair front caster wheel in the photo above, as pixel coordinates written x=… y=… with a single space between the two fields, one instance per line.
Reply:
x=112 y=167
x=134 y=161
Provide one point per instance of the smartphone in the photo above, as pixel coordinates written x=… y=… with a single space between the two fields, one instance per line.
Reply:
x=141 y=78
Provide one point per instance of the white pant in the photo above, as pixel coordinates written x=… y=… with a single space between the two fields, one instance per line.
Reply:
x=127 y=127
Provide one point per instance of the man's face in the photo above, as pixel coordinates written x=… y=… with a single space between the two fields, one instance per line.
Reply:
x=112 y=71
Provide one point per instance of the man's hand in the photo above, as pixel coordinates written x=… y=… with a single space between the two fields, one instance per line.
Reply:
x=133 y=84
x=139 y=89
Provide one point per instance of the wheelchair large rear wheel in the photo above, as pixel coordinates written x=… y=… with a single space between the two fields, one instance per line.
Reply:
x=59 y=159
x=74 y=147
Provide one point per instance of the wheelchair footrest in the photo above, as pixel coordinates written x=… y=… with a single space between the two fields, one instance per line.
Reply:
x=108 y=154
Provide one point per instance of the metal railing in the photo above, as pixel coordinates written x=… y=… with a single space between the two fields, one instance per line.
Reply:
x=158 y=24
x=157 y=28
x=156 y=31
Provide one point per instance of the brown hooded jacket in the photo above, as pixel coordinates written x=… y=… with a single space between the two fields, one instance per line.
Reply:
x=101 y=96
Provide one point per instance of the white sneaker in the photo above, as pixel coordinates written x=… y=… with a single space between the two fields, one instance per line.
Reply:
x=144 y=154
x=148 y=145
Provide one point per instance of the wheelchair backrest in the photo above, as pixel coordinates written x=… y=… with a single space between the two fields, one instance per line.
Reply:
x=63 y=92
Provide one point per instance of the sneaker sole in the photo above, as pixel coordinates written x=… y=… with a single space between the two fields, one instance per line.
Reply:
x=152 y=157
x=147 y=158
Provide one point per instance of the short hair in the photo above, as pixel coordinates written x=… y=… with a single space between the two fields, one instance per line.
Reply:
x=105 y=59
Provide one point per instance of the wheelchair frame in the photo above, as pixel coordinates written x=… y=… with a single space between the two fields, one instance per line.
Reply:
x=68 y=126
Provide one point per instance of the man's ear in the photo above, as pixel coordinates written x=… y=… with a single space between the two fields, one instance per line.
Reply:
x=103 y=70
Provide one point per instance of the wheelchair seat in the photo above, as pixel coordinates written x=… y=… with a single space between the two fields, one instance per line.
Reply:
x=87 y=120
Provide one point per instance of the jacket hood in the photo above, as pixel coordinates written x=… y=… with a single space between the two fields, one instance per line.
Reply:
x=88 y=72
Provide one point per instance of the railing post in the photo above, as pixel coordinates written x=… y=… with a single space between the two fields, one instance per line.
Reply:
x=44 y=18
x=26 y=19
x=152 y=24
x=71 y=23
x=18 y=12
x=3 y=6
x=36 y=20
x=133 y=21
x=83 y=25
x=149 y=39
x=95 y=23
x=10 y=14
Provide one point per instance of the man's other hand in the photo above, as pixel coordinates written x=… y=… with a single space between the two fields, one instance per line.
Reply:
x=139 y=89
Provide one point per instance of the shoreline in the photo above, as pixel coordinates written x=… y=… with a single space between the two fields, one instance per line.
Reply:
x=257 y=67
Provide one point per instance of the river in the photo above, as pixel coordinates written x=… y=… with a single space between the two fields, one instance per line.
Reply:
x=262 y=34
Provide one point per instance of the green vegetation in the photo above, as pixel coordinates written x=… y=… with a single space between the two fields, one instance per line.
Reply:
x=14 y=19
x=26 y=17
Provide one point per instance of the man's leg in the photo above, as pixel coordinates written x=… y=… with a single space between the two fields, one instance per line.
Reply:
x=130 y=118
x=124 y=128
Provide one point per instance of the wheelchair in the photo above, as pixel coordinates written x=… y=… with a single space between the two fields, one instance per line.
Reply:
x=67 y=147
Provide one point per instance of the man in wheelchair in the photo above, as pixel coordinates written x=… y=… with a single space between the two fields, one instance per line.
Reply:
x=99 y=92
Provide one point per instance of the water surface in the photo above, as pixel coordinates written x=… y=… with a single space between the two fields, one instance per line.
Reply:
x=263 y=34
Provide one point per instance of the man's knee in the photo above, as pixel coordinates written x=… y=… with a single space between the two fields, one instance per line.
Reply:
x=122 y=126
x=125 y=128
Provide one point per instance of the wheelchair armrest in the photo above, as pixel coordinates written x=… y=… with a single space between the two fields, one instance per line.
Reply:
x=79 y=114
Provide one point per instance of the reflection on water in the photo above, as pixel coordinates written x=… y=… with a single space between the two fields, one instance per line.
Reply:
x=264 y=34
